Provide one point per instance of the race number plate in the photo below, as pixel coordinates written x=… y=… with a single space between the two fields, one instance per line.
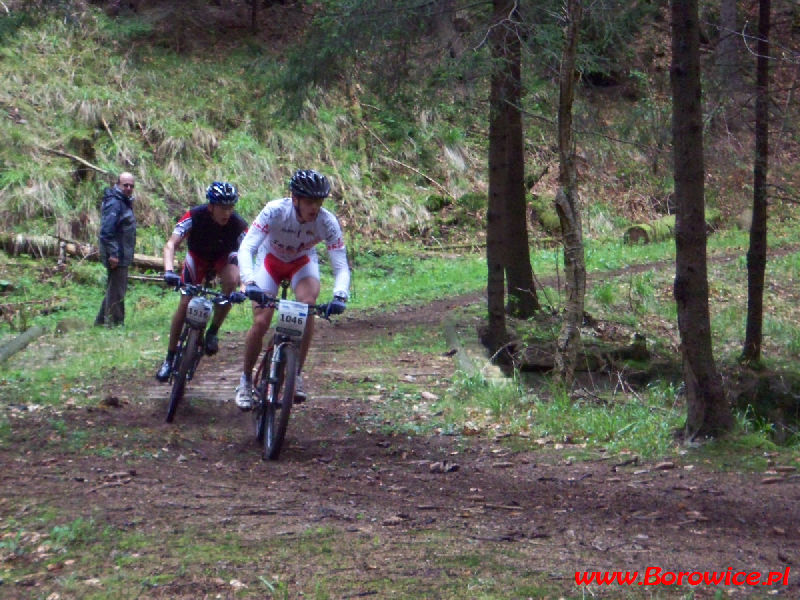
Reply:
x=199 y=311
x=292 y=317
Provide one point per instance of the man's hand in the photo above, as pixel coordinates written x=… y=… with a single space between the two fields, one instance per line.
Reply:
x=237 y=297
x=113 y=262
x=255 y=293
x=335 y=307
x=172 y=278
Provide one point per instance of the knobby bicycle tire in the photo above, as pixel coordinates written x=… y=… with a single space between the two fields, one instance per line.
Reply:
x=186 y=359
x=279 y=405
x=261 y=386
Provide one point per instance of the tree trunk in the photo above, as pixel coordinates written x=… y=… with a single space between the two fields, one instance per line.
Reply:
x=757 y=253
x=444 y=29
x=522 y=299
x=727 y=54
x=254 y=16
x=496 y=334
x=506 y=163
x=708 y=412
x=503 y=168
x=566 y=203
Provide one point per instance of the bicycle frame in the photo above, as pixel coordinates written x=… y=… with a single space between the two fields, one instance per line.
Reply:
x=191 y=340
x=276 y=375
x=187 y=328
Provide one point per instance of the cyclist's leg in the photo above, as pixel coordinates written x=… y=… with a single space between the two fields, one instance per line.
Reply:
x=252 y=348
x=229 y=276
x=255 y=336
x=194 y=270
x=262 y=317
x=176 y=325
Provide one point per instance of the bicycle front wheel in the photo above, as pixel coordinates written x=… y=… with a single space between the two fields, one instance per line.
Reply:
x=185 y=361
x=279 y=403
x=262 y=388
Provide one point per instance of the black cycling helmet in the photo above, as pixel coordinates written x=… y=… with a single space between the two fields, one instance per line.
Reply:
x=222 y=192
x=309 y=183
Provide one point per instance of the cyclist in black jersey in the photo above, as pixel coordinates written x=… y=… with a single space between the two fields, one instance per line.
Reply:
x=213 y=232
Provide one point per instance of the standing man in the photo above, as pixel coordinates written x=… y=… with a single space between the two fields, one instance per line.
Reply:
x=116 y=241
x=283 y=237
x=213 y=232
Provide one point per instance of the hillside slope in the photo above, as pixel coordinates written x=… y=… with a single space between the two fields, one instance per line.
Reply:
x=153 y=89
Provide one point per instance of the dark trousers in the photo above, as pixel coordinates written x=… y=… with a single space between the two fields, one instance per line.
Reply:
x=112 y=310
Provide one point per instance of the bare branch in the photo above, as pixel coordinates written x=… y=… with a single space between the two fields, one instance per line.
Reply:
x=84 y=162
x=438 y=185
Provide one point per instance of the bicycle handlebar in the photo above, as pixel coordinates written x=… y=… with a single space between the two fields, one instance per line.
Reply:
x=265 y=300
x=192 y=289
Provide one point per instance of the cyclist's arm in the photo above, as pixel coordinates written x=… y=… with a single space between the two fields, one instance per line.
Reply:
x=169 y=251
x=182 y=229
x=334 y=244
x=341 y=272
x=247 y=249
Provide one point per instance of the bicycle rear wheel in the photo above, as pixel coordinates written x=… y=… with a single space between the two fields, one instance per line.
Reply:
x=279 y=403
x=184 y=360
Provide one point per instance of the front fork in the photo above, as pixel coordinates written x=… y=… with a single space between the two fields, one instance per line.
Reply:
x=274 y=369
x=176 y=362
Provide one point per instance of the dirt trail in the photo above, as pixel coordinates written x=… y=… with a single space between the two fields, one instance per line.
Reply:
x=135 y=471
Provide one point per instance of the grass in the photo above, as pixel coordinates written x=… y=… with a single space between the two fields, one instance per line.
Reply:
x=418 y=338
x=146 y=118
x=109 y=562
x=385 y=276
x=643 y=424
x=612 y=421
x=178 y=142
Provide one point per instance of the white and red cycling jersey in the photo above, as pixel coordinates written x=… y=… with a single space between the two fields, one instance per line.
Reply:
x=277 y=232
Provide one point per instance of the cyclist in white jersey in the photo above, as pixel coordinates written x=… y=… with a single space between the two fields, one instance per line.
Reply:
x=283 y=240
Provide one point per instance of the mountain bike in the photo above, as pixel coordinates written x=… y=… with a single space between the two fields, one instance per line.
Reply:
x=274 y=381
x=192 y=339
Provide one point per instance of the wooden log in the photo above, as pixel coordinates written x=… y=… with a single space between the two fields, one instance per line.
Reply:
x=45 y=245
x=19 y=342
x=663 y=228
x=148 y=262
x=648 y=233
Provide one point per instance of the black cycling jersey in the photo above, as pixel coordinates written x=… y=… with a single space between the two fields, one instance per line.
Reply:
x=207 y=239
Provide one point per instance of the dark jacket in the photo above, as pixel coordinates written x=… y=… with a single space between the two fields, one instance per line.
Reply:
x=117 y=227
x=207 y=239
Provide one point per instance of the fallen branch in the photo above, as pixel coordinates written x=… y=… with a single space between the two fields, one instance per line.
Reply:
x=113 y=139
x=84 y=162
x=375 y=135
x=455 y=246
x=438 y=185
x=19 y=342
x=146 y=278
